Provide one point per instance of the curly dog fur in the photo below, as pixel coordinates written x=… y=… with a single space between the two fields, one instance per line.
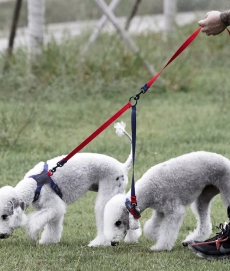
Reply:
x=84 y=172
x=167 y=188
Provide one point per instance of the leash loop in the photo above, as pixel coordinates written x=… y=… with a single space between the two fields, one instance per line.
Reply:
x=135 y=98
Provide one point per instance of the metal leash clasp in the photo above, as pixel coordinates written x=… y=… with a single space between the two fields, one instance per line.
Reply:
x=59 y=164
x=137 y=96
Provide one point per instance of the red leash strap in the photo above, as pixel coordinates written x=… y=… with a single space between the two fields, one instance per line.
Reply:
x=177 y=53
x=99 y=130
x=91 y=137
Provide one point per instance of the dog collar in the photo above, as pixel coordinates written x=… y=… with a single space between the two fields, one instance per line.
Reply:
x=132 y=208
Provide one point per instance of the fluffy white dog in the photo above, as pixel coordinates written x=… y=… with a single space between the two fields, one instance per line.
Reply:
x=83 y=172
x=168 y=188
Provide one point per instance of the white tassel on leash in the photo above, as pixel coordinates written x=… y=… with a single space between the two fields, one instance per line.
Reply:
x=120 y=129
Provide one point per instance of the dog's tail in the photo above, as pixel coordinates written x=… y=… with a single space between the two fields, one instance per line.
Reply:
x=120 y=131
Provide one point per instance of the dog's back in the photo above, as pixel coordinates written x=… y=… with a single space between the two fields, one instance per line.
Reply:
x=186 y=176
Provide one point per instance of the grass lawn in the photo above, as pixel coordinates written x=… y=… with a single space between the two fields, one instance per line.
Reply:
x=49 y=111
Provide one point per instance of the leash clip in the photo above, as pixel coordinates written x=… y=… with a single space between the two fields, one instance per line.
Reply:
x=137 y=96
x=59 y=164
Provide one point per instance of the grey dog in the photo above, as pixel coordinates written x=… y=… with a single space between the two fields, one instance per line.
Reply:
x=167 y=188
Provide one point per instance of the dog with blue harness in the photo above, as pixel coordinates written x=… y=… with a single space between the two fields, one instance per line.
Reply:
x=50 y=195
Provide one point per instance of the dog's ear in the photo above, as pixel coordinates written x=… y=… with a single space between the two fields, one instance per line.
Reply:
x=134 y=223
x=19 y=203
x=17 y=208
x=15 y=202
x=12 y=204
x=9 y=208
x=23 y=205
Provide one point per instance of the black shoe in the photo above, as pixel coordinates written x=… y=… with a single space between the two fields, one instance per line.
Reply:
x=221 y=227
x=217 y=247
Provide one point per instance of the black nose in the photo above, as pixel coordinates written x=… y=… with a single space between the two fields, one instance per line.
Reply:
x=3 y=236
x=114 y=244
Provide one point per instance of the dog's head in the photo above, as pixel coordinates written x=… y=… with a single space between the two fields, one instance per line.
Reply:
x=12 y=214
x=118 y=221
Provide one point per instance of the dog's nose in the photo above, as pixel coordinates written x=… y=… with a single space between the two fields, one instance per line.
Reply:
x=114 y=244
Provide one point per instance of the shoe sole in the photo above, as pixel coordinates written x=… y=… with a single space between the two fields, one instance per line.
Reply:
x=207 y=257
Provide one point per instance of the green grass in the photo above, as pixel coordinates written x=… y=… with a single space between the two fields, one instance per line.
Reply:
x=50 y=112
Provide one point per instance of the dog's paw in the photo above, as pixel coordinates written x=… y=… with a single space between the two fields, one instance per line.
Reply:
x=161 y=248
x=99 y=241
x=132 y=236
x=32 y=231
x=33 y=234
x=44 y=241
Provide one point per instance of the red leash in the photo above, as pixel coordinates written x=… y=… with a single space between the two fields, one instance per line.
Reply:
x=177 y=53
x=91 y=137
x=124 y=108
x=98 y=131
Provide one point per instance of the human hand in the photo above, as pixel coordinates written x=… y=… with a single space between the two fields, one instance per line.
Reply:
x=212 y=24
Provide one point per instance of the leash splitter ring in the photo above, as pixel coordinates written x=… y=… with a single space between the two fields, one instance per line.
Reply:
x=137 y=96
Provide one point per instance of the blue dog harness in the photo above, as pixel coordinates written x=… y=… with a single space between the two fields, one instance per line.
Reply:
x=42 y=179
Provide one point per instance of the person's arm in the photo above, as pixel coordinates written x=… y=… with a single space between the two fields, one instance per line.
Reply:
x=215 y=22
x=225 y=17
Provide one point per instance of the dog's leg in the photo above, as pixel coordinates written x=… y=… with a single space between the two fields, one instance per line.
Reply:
x=105 y=193
x=38 y=219
x=132 y=236
x=52 y=231
x=201 y=209
x=169 y=230
x=152 y=226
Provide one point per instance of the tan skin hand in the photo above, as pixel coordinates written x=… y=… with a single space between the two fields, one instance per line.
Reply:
x=212 y=24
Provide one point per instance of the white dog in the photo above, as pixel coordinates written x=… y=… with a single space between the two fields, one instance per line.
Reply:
x=168 y=188
x=83 y=172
